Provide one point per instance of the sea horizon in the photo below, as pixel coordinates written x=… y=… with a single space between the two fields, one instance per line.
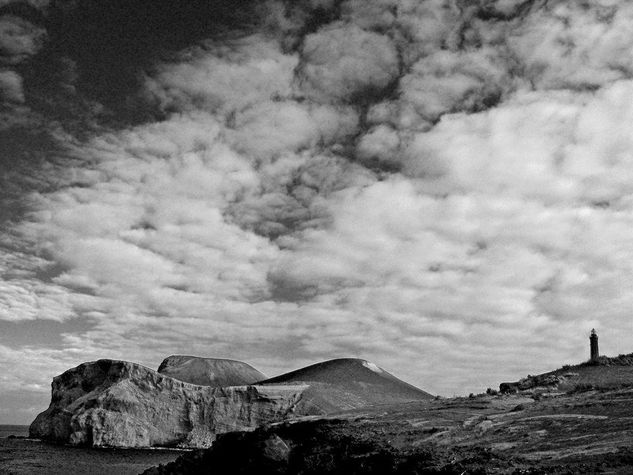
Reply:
x=23 y=456
x=18 y=430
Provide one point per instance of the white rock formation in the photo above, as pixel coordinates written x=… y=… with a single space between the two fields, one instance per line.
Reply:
x=110 y=403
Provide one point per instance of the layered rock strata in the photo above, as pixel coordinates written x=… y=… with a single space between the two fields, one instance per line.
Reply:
x=110 y=403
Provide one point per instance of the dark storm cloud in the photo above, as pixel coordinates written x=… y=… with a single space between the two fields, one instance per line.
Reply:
x=93 y=62
x=69 y=69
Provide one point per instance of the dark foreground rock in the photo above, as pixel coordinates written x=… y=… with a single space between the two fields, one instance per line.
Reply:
x=588 y=432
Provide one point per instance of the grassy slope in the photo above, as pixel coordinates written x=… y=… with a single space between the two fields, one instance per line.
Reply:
x=604 y=373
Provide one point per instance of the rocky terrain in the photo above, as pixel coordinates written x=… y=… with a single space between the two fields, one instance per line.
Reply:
x=120 y=404
x=110 y=403
x=212 y=372
x=603 y=373
x=583 y=423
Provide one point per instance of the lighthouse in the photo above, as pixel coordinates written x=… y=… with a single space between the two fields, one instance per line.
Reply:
x=593 y=345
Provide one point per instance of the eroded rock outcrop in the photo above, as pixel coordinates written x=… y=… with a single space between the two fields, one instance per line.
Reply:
x=214 y=372
x=110 y=403
x=548 y=381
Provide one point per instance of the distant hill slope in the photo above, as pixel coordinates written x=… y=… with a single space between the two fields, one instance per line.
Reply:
x=604 y=373
x=213 y=372
x=108 y=403
x=348 y=383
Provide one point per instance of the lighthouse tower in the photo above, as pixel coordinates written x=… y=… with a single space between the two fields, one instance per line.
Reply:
x=593 y=345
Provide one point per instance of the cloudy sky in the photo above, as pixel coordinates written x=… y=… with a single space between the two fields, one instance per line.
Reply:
x=443 y=187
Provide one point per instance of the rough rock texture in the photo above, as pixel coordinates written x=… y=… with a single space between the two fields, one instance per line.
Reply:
x=110 y=403
x=212 y=372
x=119 y=404
x=569 y=433
x=548 y=381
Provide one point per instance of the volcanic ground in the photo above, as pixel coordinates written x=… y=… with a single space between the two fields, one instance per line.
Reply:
x=577 y=419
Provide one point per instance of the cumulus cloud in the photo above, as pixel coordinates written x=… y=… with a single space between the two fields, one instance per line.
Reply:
x=560 y=147
x=225 y=78
x=377 y=15
x=426 y=27
x=19 y=39
x=11 y=86
x=269 y=129
x=427 y=185
x=380 y=144
x=343 y=62
x=572 y=45
x=448 y=81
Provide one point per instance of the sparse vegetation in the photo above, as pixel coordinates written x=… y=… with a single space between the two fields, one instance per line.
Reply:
x=581 y=433
x=620 y=360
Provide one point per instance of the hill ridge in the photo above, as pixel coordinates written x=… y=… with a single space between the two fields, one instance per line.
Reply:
x=214 y=372
x=602 y=373
x=348 y=383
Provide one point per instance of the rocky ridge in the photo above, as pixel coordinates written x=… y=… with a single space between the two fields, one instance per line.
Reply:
x=348 y=384
x=587 y=375
x=576 y=419
x=214 y=372
x=501 y=434
x=110 y=403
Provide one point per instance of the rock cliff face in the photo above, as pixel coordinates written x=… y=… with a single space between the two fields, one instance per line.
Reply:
x=110 y=403
x=212 y=372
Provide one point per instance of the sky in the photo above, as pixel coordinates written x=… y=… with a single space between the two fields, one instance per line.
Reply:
x=441 y=187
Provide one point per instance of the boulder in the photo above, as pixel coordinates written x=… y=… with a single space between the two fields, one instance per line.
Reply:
x=542 y=381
